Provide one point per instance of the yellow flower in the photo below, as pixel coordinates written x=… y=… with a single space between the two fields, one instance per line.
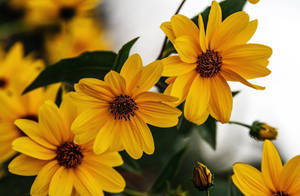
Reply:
x=49 y=11
x=62 y=167
x=273 y=180
x=253 y=1
x=16 y=72
x=207 y=59
x=119 y=108
x=80 y=35
x=202 y=177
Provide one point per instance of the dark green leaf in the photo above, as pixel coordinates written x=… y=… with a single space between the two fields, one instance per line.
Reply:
x=169 y=171
x=123 y=55
x=58 y=97
x=234 y=93
x=71 y=70
x=130 y=164
x=208 y=131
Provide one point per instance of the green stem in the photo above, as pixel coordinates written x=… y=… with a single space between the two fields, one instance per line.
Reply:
x=239 y=123
x=207 y=193
x=134 y=193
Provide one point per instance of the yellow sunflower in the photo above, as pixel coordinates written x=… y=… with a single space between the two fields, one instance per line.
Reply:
x=39 y=12
x=80 y=35
x=62 y=167
x=273 y=180
x=120 y=106
x=206 y=59
x=16 y=72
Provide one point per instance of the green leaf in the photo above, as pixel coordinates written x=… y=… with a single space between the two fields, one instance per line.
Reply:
x=234 y=93
x=123 y=55
x=130 y=164
x=208 y=131
x=169 y=171
x=71 y=70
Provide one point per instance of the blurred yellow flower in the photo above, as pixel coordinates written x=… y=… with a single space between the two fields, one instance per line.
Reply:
x=62 y=167
x=16 y=72
x=39 y=12
x=80 y=35
x=207 y=59
x=120 y=106
x=273 y=180
x=253 y=1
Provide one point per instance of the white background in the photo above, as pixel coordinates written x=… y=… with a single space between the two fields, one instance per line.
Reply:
x=278 y=105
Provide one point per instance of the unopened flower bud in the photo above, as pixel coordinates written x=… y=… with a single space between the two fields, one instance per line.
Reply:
x=202 y=177
x=262 y=131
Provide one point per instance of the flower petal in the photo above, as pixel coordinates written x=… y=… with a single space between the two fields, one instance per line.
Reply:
x=109 y=179
x=155 y=97
x=182 y=25
x=289 y=180
x=187 y=48
x=79 y=186
x=26 y=166
x=229 y=29
x=249 y=180
x=221 y=99
x=158 y=114
x=149 y=77
x=232 y=76
x=32 y=149
x=214 y=21
x=61 y=183
x=173 y=66
x=111 y=159
x=167 y=29
x=131 y=70
x=41 y=183
x=116 y=82
x=271 y=165
x=32 y=130
x=201 y=34
x=197 y=101
x=181 y=86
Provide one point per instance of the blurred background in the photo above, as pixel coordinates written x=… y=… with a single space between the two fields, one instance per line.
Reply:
x=122 y=20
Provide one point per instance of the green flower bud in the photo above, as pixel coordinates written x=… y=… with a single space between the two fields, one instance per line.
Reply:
x=262 y=131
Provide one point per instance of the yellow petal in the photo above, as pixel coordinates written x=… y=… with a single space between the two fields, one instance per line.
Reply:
x=195 y=108
x=201 y=33
x=188 y=50
x=271 y=165
x=249 y=180
x=79 y=186
x=149 y=77
x=84 y=101
x=51 y=123
x=289 y=180
x=167 y=29
x=182 y=25
x=32 y=149
x=221 y=99
x=41 y=183
x=109 y=179
x=68 y=110
x=10 y=106
x=247 y=52
x=243 y=37
x=116 y=82
x=61 y=183
x=142 y=131
x=158 y=114
x=32 y=130
x=214 y=21
x=173 y=66
x=106 y=136
x=88 y=180
x=111 y=159
x=131 y=70
x=248 y=70
x=26 y=166
x=182 y=85
x=229 y=29
x=152 y=96
x=129 y=141
x=253 y=1
x=233 y=76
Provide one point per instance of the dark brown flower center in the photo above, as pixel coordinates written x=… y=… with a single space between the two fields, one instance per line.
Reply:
x=3 y=83
x=209 y=64
x=28 y=117
x=280 y=193
x=67 y=13
x=122 y=107
x=69 y=155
